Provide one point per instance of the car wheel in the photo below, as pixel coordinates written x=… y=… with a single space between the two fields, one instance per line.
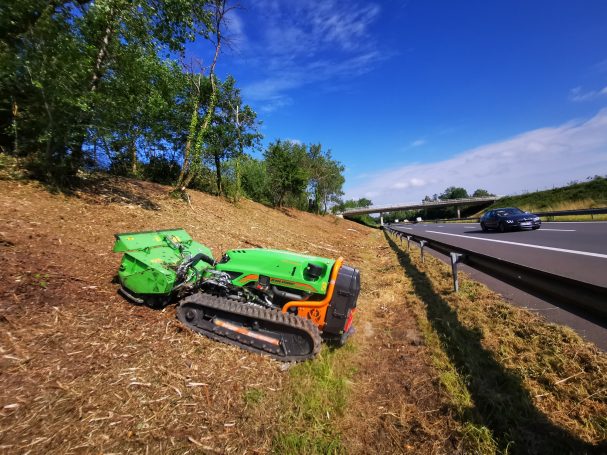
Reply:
x=483 y=227
x=502 y=227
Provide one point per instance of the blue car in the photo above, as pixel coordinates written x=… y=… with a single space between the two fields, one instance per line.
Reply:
x=508 y=219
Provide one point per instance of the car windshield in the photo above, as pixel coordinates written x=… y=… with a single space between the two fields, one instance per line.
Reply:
x=512 y=211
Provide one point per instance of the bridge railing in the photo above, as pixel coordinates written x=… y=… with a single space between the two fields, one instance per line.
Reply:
x=422 y=205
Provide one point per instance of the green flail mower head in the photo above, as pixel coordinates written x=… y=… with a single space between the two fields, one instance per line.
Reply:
x=156 y=264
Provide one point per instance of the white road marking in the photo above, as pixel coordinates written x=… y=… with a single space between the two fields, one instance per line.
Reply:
x=560 y=230
x=574 y=222
x=560 y=250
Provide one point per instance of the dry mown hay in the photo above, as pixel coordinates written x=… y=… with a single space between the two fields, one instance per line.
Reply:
x=84 y=371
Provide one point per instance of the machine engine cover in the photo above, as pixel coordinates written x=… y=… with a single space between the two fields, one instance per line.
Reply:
x=343 y=302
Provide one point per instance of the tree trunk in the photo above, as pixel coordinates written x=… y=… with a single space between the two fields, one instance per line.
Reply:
x=196 y=152
x=188 y=146
x=133 y=150
x=15 y=112
x=102 y=53
x=218 y=173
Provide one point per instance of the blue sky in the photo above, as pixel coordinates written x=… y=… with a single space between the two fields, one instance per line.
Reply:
x=415 y=96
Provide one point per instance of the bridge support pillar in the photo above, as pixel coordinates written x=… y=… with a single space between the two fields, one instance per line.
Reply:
x=458 y=213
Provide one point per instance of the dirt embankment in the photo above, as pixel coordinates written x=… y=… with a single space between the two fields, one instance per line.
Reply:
x=84 y=371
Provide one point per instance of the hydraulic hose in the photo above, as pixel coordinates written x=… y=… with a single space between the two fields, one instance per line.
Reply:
x=184 y=266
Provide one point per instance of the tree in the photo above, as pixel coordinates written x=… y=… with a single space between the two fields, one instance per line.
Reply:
x=254 y=179
x=326 y=179
x=233 y=128
x=482 y=193
x=287 y=169
x=351 y=204
x=129 y=137
x=454 y=193
x=192 y=159
x=57 y=60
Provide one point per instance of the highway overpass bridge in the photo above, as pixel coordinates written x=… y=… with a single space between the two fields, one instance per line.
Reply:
x=468 y=202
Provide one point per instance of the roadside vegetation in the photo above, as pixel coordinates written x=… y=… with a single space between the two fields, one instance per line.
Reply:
x=577 y=195
x=106 y=87
x=517 y=384
x=428 y=371
x=591 y=193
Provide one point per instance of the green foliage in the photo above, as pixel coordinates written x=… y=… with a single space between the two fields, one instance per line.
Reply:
x=86 y=85
x=234 y=127
x=342 y=206
x=326 y=179
x=40 y=280
x=82 y=79
x=454 y=193
x=254 y=180
x=294 y=443
x=400 y=216
x=288 y=173
x=482 y=193
x=160 y=169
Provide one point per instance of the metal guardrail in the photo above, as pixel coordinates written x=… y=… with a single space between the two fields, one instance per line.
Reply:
x=599 y=211
x=546 y=285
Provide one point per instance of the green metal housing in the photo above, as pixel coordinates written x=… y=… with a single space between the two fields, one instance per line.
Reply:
x=284 y=268
x=151 y=258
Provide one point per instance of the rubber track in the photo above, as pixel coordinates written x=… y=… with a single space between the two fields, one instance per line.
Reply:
x=253 y=312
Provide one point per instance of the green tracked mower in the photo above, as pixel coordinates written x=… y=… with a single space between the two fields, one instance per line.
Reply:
x=273 y=302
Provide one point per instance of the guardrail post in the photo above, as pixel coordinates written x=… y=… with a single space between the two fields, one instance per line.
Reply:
x=422 y=243
x=408 y=243
x=455 y=259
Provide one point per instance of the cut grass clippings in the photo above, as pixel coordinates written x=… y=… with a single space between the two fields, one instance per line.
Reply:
x=517 y=383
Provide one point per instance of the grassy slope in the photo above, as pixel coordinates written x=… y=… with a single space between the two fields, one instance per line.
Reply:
x=82 y=370
x=517 y=383
x=578 y=196
x=428 y=371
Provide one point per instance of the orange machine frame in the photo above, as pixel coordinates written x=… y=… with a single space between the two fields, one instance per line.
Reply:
x=316 y=310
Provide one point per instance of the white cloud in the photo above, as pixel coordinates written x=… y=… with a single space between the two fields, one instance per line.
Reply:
x=307 y=42
x=418 y=143
x=533 y=160
x=577 y=94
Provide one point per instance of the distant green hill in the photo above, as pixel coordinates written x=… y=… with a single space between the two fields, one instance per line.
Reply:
x=584 y=195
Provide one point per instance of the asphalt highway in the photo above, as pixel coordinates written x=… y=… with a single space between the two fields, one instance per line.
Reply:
x=577 y=250
x=571 y=249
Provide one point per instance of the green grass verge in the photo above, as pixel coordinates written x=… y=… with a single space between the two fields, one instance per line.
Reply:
x=317 y=395
x=588 y=194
